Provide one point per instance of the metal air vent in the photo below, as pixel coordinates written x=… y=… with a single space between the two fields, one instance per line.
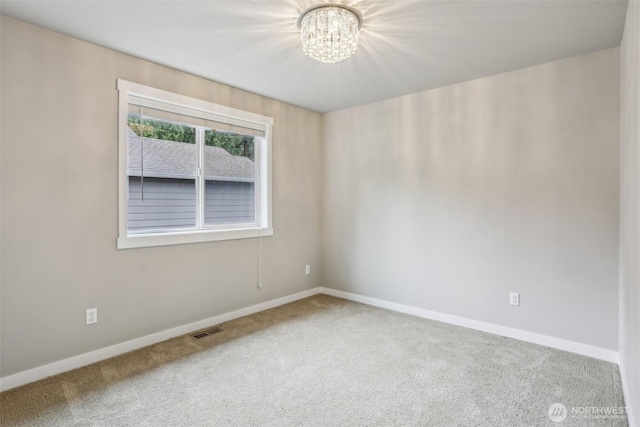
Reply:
x=207 y=332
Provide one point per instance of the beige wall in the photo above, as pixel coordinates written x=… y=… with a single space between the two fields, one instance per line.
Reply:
x=451 y=198
x=630 y=209
x=59 y=207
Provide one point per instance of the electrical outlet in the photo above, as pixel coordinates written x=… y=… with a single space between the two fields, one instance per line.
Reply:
x=259 y=285
x=307 y=270
x=514 y=298
x=92 y=315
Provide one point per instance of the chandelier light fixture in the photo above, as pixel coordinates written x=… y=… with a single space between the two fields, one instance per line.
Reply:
x=329 y=32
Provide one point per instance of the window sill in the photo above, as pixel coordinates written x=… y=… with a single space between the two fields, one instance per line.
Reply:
x=180 y=238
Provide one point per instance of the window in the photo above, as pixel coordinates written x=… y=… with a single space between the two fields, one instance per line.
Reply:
x=190 y=170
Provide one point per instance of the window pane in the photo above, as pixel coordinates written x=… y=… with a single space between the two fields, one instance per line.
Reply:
x=230 y=171
x=161 y=167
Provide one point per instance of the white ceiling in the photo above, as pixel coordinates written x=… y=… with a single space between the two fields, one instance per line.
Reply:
x=406 y=46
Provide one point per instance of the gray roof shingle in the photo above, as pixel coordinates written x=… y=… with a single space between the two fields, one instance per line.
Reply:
x=169 y=159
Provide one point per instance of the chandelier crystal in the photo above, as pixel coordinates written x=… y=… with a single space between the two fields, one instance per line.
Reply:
x=329 y=33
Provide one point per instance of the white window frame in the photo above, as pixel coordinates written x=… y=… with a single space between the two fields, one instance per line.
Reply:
x=262 y=227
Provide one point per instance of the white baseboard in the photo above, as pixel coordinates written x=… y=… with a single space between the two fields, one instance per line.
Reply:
x=74 y=362
x=41 y=372
x=558 y=343
x=625 y=391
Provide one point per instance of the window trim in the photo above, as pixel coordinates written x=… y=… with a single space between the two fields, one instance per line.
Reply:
x=225 y=232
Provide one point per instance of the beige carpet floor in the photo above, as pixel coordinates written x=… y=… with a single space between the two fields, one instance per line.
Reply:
x=324 y=361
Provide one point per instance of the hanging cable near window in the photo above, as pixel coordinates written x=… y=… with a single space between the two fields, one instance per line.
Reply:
x=256 y=159
x=259 y=258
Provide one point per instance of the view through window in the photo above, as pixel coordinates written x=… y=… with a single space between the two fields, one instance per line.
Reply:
x=163 y=164
x=190 y=167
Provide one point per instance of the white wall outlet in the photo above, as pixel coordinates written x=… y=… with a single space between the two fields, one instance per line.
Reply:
x=514 y=298
x=307 y=270
x=92 y=315
x=259 y=285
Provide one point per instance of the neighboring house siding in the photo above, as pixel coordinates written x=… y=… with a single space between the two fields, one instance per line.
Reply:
x=171 y=203
x=228 y=202
x=167 y=203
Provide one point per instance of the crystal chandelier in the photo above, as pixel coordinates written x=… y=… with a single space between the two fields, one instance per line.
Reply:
x=329 y=32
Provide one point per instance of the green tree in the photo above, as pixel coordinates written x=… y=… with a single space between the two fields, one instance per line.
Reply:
x=238 y=145
x=162 y=130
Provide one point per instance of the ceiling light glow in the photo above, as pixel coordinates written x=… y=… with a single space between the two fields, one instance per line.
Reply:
x=329 y=33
